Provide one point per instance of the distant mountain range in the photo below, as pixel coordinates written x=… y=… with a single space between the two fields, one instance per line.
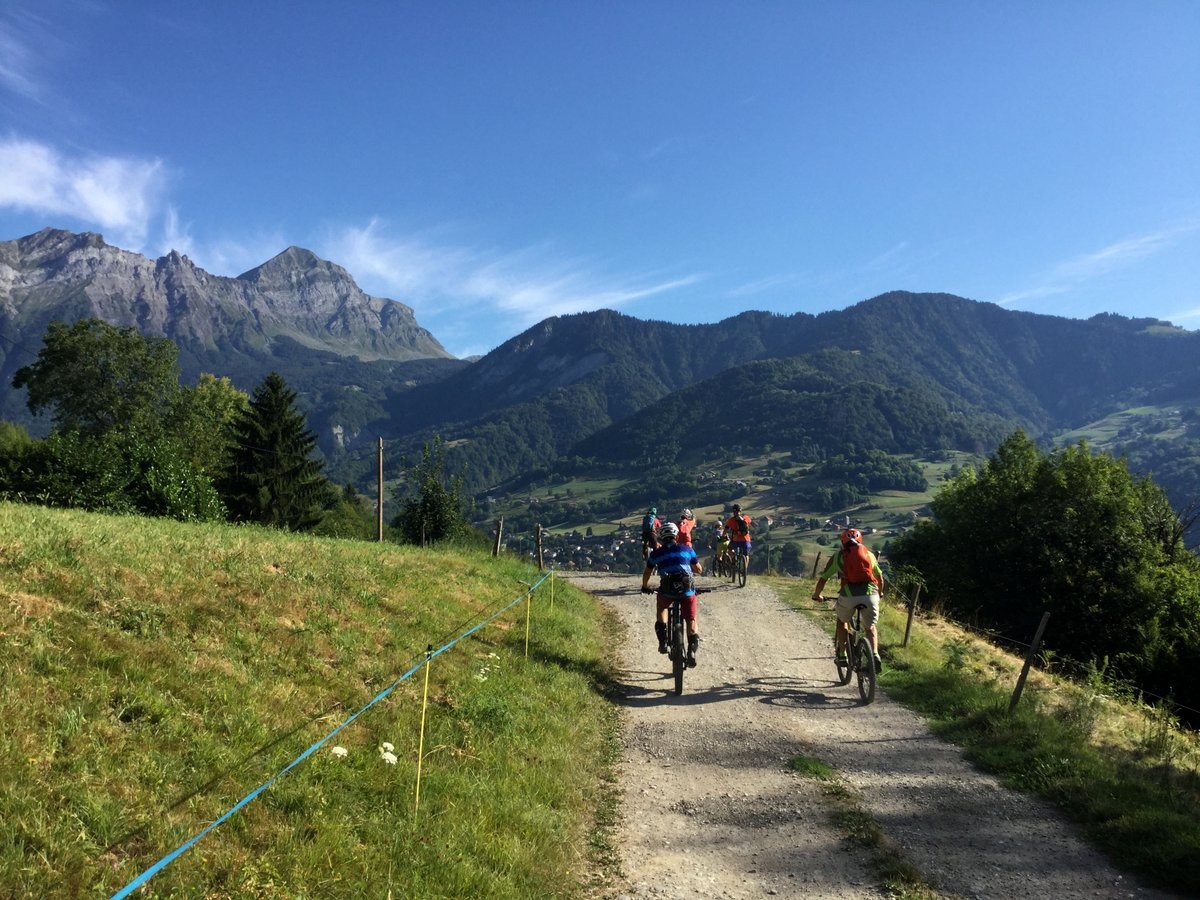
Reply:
x=900 y=372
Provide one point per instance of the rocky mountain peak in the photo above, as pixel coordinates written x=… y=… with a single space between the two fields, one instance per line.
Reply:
x=50 y=244
x=295 y=295
x=284 y=265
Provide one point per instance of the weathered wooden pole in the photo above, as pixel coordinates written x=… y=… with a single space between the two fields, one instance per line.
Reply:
x=379 y=500
x=1033 y=649
x=912 y=609
x=816 y=564
x=541 y=564
x=499 y=532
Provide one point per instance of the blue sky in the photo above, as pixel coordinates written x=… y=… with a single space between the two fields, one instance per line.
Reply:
x=491 y=163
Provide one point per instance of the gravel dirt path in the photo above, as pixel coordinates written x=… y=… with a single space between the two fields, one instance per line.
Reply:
x=710 y=809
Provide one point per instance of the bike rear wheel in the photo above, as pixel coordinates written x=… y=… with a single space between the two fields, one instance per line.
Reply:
x=865 y=660
x=678 y=655
x=845 y=668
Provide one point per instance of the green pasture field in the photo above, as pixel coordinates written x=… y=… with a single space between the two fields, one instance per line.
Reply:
x=155 y=672
x=1103 y=432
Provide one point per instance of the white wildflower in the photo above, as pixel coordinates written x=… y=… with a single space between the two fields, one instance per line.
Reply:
x=385 y=747
x=339 y=751
x=389 y=758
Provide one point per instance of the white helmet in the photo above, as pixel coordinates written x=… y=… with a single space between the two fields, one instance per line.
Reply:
x=668 y=532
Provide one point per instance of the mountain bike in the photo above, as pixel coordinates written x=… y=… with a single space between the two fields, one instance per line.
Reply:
x=741 y=562
x=723 y=567
x=676 y=637
x=860 y=659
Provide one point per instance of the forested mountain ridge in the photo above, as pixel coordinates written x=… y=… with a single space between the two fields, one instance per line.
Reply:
x=558 y=387
x=297 y=314
x=807 y=406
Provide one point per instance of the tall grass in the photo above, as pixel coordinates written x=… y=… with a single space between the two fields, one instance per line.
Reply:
x=154 y=672
x=1098 y=758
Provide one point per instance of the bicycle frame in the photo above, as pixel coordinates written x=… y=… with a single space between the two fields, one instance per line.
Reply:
x=860 y=657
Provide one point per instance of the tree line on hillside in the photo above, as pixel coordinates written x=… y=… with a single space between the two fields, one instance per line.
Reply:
x=1076 y=534
x=128 y=438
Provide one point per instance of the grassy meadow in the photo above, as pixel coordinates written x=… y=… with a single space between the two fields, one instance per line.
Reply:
x=154 y=673
x=1120 y=768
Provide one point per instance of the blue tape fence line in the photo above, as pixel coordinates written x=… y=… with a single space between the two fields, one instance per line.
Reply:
x=183 y=848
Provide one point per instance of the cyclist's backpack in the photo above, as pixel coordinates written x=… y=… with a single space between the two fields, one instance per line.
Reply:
x=675 y=584
x=648 y=523
x=740 y=528
x=856 y=564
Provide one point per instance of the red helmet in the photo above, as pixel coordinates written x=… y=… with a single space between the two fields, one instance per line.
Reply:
x=851 y=534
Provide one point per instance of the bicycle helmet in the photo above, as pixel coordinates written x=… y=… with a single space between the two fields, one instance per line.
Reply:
x=851 y=536
x=687 y=514
x=668 y=532
x=654 y=510
x=737 y=508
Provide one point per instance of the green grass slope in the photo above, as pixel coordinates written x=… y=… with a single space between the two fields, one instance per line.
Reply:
x=154 y=673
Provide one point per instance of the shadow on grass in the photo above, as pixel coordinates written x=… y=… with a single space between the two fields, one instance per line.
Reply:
x=219 y=777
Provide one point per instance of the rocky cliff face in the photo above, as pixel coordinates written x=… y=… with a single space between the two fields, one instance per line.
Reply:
x=61 y=275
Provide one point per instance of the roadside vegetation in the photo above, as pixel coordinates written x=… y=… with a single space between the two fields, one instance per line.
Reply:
x=1122 y=768
x=155 y=672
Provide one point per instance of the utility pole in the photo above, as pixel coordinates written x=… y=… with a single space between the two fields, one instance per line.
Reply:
x=379 y=501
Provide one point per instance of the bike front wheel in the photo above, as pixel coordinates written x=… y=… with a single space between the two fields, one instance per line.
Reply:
x=743 y=564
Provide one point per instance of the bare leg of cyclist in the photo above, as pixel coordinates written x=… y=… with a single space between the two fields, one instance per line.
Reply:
x=841 y=638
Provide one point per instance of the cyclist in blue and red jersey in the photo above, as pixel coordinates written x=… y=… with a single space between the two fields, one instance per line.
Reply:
x=676 y=563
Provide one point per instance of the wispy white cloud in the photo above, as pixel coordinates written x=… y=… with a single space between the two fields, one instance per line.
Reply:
x=528 y=284
x=762 y=285
x=121 y=195
x=887 y=257
x=20 y=33
x=1071 y=273
x=1184 y=316
x=220 y=256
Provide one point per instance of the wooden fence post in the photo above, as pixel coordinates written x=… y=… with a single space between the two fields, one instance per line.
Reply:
x=541 y=564
x=1033 y=649
x=816 y=564
x=912 y=609
x=499 y=532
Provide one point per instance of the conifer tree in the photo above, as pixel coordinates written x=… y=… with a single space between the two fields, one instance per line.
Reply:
x=432 y=508
x=273 y=477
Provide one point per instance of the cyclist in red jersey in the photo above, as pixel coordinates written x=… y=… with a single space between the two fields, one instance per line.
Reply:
x=687 y=522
